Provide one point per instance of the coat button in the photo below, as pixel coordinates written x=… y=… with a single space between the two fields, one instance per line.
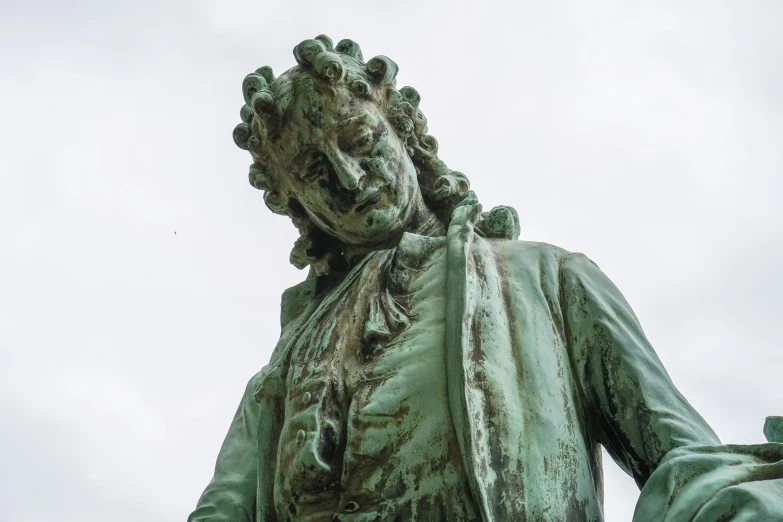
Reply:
x=300 y=436
x=306 y=397
x=351 y=507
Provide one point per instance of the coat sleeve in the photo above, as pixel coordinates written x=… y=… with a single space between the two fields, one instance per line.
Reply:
x=231 y=494
x=645 y=423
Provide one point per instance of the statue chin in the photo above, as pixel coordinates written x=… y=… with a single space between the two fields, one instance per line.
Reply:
x=380 y=225
x=372 y=227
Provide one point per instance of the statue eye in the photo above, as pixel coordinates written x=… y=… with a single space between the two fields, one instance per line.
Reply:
x=314 y=169
x=361 y=143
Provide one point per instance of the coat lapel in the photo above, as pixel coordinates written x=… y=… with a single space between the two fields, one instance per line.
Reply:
x=461 y=298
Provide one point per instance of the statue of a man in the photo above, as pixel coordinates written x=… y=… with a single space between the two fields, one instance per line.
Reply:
x=432 y=367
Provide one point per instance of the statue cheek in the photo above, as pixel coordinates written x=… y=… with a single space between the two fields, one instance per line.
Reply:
x=394 y=170
x=381 y=219
x=390 y=160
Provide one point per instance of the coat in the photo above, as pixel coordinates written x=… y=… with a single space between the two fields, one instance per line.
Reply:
x=546 y=362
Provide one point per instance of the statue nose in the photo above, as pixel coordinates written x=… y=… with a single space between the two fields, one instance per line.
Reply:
x=348 y=174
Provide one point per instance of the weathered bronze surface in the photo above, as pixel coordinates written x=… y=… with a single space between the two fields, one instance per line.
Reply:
x=432 y=366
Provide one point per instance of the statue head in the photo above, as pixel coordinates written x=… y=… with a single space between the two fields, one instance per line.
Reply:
x=343 y=153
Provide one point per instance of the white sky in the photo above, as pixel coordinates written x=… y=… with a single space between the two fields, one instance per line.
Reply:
x=647 y=135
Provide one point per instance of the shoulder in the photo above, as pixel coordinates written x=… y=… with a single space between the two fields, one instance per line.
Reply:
x=579 y=270
x=543 y=255
x=553 y=267
x=529 y=255
x=296 y=299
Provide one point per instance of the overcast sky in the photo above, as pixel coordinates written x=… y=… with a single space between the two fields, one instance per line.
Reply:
x=649 y=137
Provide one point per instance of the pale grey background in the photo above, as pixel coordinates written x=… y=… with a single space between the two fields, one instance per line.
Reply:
x=648 y=135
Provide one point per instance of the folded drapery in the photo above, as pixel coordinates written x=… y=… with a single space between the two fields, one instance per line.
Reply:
x=709 y=483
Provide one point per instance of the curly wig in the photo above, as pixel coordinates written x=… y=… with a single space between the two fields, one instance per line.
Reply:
x=267 y=109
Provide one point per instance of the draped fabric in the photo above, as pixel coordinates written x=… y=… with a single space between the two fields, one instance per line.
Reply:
x=710 y=483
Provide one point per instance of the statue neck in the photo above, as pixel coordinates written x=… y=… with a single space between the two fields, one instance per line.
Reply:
x=424 y=221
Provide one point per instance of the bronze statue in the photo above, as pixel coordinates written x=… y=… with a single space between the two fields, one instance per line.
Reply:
x=432 y=367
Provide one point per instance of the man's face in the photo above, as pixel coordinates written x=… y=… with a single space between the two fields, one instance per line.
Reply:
x=343 y=161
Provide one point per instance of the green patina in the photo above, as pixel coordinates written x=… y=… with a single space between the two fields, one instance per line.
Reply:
x=432 y=366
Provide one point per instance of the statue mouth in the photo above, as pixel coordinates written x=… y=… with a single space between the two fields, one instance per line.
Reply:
x=367 y=200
